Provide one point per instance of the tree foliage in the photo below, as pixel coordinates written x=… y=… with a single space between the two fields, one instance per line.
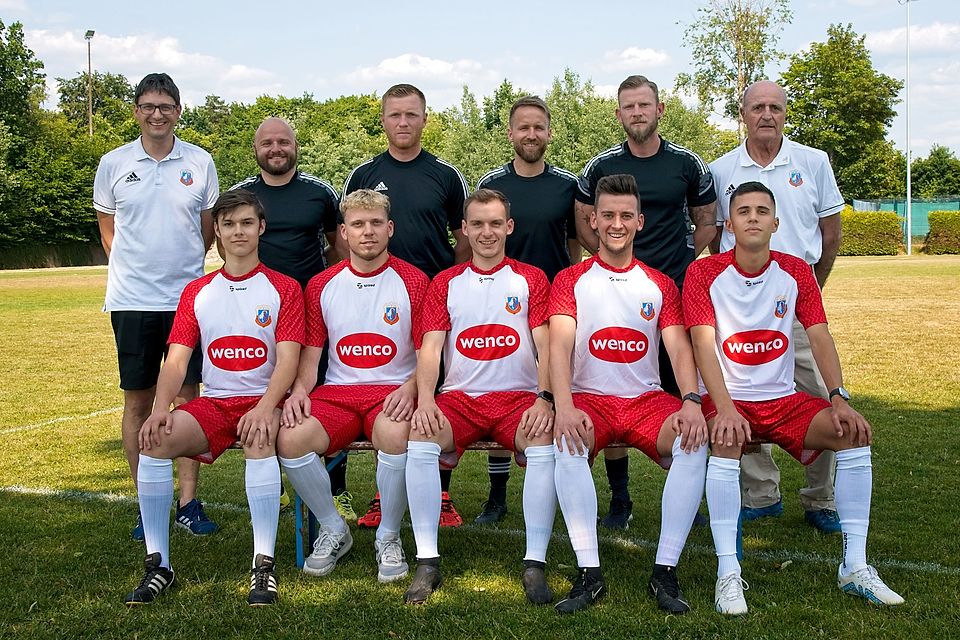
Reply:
x=21 y=86
x=731 y=42
x=937 y=175
x=839 y=103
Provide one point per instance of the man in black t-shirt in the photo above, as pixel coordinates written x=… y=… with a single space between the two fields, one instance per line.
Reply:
x=675 y=186
x=301 y=211
x=542 y=199
x=426 y=202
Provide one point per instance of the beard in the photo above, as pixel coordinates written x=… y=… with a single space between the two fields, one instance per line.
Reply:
x=530 y=154
x=640 y=133
x=290 y=161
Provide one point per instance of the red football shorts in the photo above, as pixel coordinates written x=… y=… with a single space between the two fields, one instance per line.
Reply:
x=218 y=417
x=783 y=421
x=346 y=411
x=633 y=421
x=495 y=416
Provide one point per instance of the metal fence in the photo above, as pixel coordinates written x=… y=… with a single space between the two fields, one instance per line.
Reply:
x=919 y=211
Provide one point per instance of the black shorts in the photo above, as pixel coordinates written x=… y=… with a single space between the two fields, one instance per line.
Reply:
x=141 y=345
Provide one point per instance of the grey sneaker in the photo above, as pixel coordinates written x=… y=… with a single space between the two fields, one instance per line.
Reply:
x=728 y=595
x=390 y=563
x=330 y=546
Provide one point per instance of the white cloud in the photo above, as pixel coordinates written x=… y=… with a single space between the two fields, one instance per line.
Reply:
x=13 y=5
x=939 y=37
x=635 y=59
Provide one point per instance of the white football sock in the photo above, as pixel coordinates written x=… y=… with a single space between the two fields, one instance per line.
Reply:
x=854 y=485
x=539 y=500
x=681 y=498
x=310 y=479
x=155 y=491
x=423 y=494
x=578 y=502
x=723 y=503
x=262 y=481
x=391 y=482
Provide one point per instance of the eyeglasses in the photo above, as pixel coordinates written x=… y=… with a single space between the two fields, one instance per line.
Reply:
x=165 y=109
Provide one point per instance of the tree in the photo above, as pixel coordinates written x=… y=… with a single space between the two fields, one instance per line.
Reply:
x=691 y=129
x=937 y=175
x=21 y=86
x=732 y=41
x=112 y=101
x=839 y=103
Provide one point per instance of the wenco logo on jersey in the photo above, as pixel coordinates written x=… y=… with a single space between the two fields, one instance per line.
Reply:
x=488 y=342
x=759 y=346
x=237 y=353
x=366 y=350
x=618 y=344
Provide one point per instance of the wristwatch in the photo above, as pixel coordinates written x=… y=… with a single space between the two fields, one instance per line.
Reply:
x=693 y=397
x=840 y=391
x=546 y=395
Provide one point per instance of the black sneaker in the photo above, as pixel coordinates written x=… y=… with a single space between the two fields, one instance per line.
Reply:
x=619 y=515
x=535 y=583
x=156 y=580
x=665 y=588
x=263 y=582
x=426 y=580
x=492 y=512
x=588 y=588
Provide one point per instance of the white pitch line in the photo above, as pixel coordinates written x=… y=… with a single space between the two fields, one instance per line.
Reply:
x=625 y=543
x=47 y=423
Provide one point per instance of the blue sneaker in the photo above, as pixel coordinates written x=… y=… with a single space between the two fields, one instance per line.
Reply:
x=192 y=518
x=823 y=520
x=774 y=510
x=137 y=532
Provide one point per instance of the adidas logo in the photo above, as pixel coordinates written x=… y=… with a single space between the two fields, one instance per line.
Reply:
x=730 y=189
x=380 y=187
x=132 y=177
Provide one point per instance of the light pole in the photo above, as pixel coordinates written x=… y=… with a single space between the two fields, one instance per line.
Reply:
x=909 y=153
x=88 y=36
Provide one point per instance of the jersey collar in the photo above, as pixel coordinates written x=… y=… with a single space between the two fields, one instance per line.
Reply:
x=603 y=265
x=175 y=153
x=373 y=273
x=782 y=158
x=488 y=272
x=257 y=269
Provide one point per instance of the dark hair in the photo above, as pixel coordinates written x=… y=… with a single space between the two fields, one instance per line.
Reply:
x=235 y=198
x=752 y=187
x=619 y=184
x=530 y=101
x=485 y=196
x=159 y=82
x=637 y=82
x=402 y=91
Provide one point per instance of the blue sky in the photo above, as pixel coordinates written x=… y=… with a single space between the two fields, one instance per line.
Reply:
x=241 y=49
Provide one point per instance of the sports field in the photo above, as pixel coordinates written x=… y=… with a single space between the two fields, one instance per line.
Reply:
x=66 y=504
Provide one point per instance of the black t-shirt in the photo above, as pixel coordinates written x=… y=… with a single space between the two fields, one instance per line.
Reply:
x=298 y=214
x=426 y=198
x=542 y=209
x=669 y=181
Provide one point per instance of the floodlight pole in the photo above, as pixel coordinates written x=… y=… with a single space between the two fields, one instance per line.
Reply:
x=88 y=36
x=909 y=150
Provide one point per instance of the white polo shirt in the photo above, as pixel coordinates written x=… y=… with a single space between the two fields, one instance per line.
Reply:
x=803 y=184
x=157 y=244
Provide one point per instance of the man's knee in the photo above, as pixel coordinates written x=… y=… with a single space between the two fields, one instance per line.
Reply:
x=389 y=436
x=304 y=438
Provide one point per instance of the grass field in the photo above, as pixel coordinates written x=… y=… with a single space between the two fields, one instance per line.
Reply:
x=66 y=504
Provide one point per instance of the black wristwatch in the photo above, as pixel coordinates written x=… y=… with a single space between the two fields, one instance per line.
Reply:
x=546 y=395
x=693 y=397
x=840 y=391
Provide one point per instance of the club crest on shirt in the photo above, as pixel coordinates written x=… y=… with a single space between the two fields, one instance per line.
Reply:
x=263 y=318
x=795 y=179
x=391 y=315
x=647 y=310
x=186 y=177
x=780 y=309
x=513 y=304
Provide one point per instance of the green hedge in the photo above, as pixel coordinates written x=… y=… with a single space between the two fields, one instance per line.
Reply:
x=74 y=254
x=870 y=233
x=944 y=235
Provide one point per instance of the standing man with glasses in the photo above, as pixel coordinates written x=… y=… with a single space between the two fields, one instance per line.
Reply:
x=153 y=198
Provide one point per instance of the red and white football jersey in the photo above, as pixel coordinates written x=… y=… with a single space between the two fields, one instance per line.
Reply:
x=619 y=314
x=238 y=323
x=753 y=315
x=368 y=320
x=489 y=317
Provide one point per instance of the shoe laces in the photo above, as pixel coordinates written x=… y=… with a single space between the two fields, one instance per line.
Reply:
x=261 y=579
x=869 y=578
x=390 y=551
x=446 y=506
x=149 y=576
x=327 y=540
x=732 y=587
x=345 y=498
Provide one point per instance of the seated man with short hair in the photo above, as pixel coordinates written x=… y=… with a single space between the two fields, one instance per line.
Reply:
x=248 y=320
x=364 y=308
x=740 y=307
x=606 y=319
x=488 y=318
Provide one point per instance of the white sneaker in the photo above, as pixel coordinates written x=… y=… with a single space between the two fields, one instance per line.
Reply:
x=728 y=595
x=390 y=563
x=331 y=545
x=867 y=584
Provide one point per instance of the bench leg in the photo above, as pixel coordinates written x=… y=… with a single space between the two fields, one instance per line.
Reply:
x=305 y=523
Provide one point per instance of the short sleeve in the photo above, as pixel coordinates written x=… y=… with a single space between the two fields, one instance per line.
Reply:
x=212 y=187
x=457 y=194
x=290 y=317
x=186 y=329
x=810 y=309
x=562 y=300
x=416 y=283
x=316 y=329
x=587 y=184
x=539 y=295
x=671 y=313
x=103 y=197
x=435 y=315
x=700 y=188
x=697 y=305
x=830 y=200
